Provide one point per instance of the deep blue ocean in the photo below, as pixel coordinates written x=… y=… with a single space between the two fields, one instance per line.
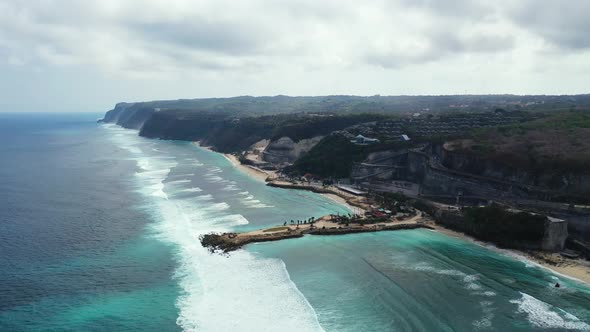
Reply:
x=99 y=232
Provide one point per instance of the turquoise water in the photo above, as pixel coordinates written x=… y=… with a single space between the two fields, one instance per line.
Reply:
x=100 y=227
x=420 y=280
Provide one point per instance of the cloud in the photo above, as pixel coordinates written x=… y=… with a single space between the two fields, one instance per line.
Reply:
x=564 y=24
x=260 y=42
x=220 y=37
x=443 y=44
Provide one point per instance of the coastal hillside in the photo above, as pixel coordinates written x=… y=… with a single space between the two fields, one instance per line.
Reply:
x=215 y=119
x=552 y=152
x=537 y=144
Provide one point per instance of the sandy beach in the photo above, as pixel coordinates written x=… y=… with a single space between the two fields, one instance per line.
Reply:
x=341 y=201
x=577 y=269
x=262 y=175
x=254 y=172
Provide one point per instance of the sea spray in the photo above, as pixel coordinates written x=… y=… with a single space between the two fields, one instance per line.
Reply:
x=242 y=292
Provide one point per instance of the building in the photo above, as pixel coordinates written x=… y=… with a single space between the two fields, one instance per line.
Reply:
x=362 y=140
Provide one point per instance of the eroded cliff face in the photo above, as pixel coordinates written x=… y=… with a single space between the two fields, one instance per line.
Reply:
x=113 y=115
x=553 y=179
x=285 y=151
x=129 y=115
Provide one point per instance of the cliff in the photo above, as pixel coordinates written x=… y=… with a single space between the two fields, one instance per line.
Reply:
x=506 y=228
x=131 y=116
x=563 y=179
x=285 y=150
x=228 y=130
x=551 y=152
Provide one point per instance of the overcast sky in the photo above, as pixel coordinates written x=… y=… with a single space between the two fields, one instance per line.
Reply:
x=86 y=55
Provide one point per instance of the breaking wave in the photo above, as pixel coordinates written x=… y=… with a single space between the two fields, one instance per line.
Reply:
x=218 y=293
x=541 y=315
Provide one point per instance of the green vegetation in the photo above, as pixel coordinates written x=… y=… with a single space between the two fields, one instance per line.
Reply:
x=334 y=156
x=331 y=157
x=302 y=127
x=558 y=143
x=227 y=133
x=507 y=228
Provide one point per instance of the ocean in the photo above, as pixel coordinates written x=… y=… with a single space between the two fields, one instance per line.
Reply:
x=99 y=232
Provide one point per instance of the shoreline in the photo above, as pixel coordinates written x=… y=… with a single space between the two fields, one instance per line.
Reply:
x=255 y=173
x=324 y=226
x=573 y=269
x=340 y=201
x=263 y=176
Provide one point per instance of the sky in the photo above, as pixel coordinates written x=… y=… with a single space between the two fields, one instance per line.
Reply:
x=87 y=55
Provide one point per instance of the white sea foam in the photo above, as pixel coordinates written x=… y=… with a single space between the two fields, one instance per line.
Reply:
x=230 y=187
x=231 y=220
x=182 y=175
x=485 y=322
x=215 y=170
x=206 y=197
x=216 y=207
x=192 y=190
x=261 y=206
x=241 y=292
x=213 y=178
x=540 y=314
x=219 y=293
x=250 y=201
x=175 y=182
x=469 y=280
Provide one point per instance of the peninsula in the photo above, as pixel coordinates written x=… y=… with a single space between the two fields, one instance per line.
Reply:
x=326 y=225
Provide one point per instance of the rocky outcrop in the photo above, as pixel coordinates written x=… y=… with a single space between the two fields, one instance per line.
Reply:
x=553 y=179
x=285 y=151
x=131 y=116
x=506 y=228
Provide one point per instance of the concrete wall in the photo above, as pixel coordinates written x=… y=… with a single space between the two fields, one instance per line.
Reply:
x=555 y=236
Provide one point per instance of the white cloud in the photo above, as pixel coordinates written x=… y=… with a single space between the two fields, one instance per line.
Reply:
x=376 y=41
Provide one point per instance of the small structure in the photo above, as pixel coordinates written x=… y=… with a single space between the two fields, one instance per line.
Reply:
x=362 y=140
x=555 y=235
x=307 y=177
x=351 y=190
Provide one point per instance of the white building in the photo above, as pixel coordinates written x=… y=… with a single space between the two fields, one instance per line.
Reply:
x=362 y=140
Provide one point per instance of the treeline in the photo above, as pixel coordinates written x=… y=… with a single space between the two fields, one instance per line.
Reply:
x=228 y=133
x=507 y=228
x=556 y=144
x=334 y=156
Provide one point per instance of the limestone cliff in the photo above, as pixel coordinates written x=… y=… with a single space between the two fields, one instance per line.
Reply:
x=567 y=182
x=285 y=151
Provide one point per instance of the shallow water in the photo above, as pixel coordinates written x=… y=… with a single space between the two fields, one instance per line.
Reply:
x=100 y=232
x=420 y=280
x=100 y=227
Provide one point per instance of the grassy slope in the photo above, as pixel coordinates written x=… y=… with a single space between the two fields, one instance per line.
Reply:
x=559 y=142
